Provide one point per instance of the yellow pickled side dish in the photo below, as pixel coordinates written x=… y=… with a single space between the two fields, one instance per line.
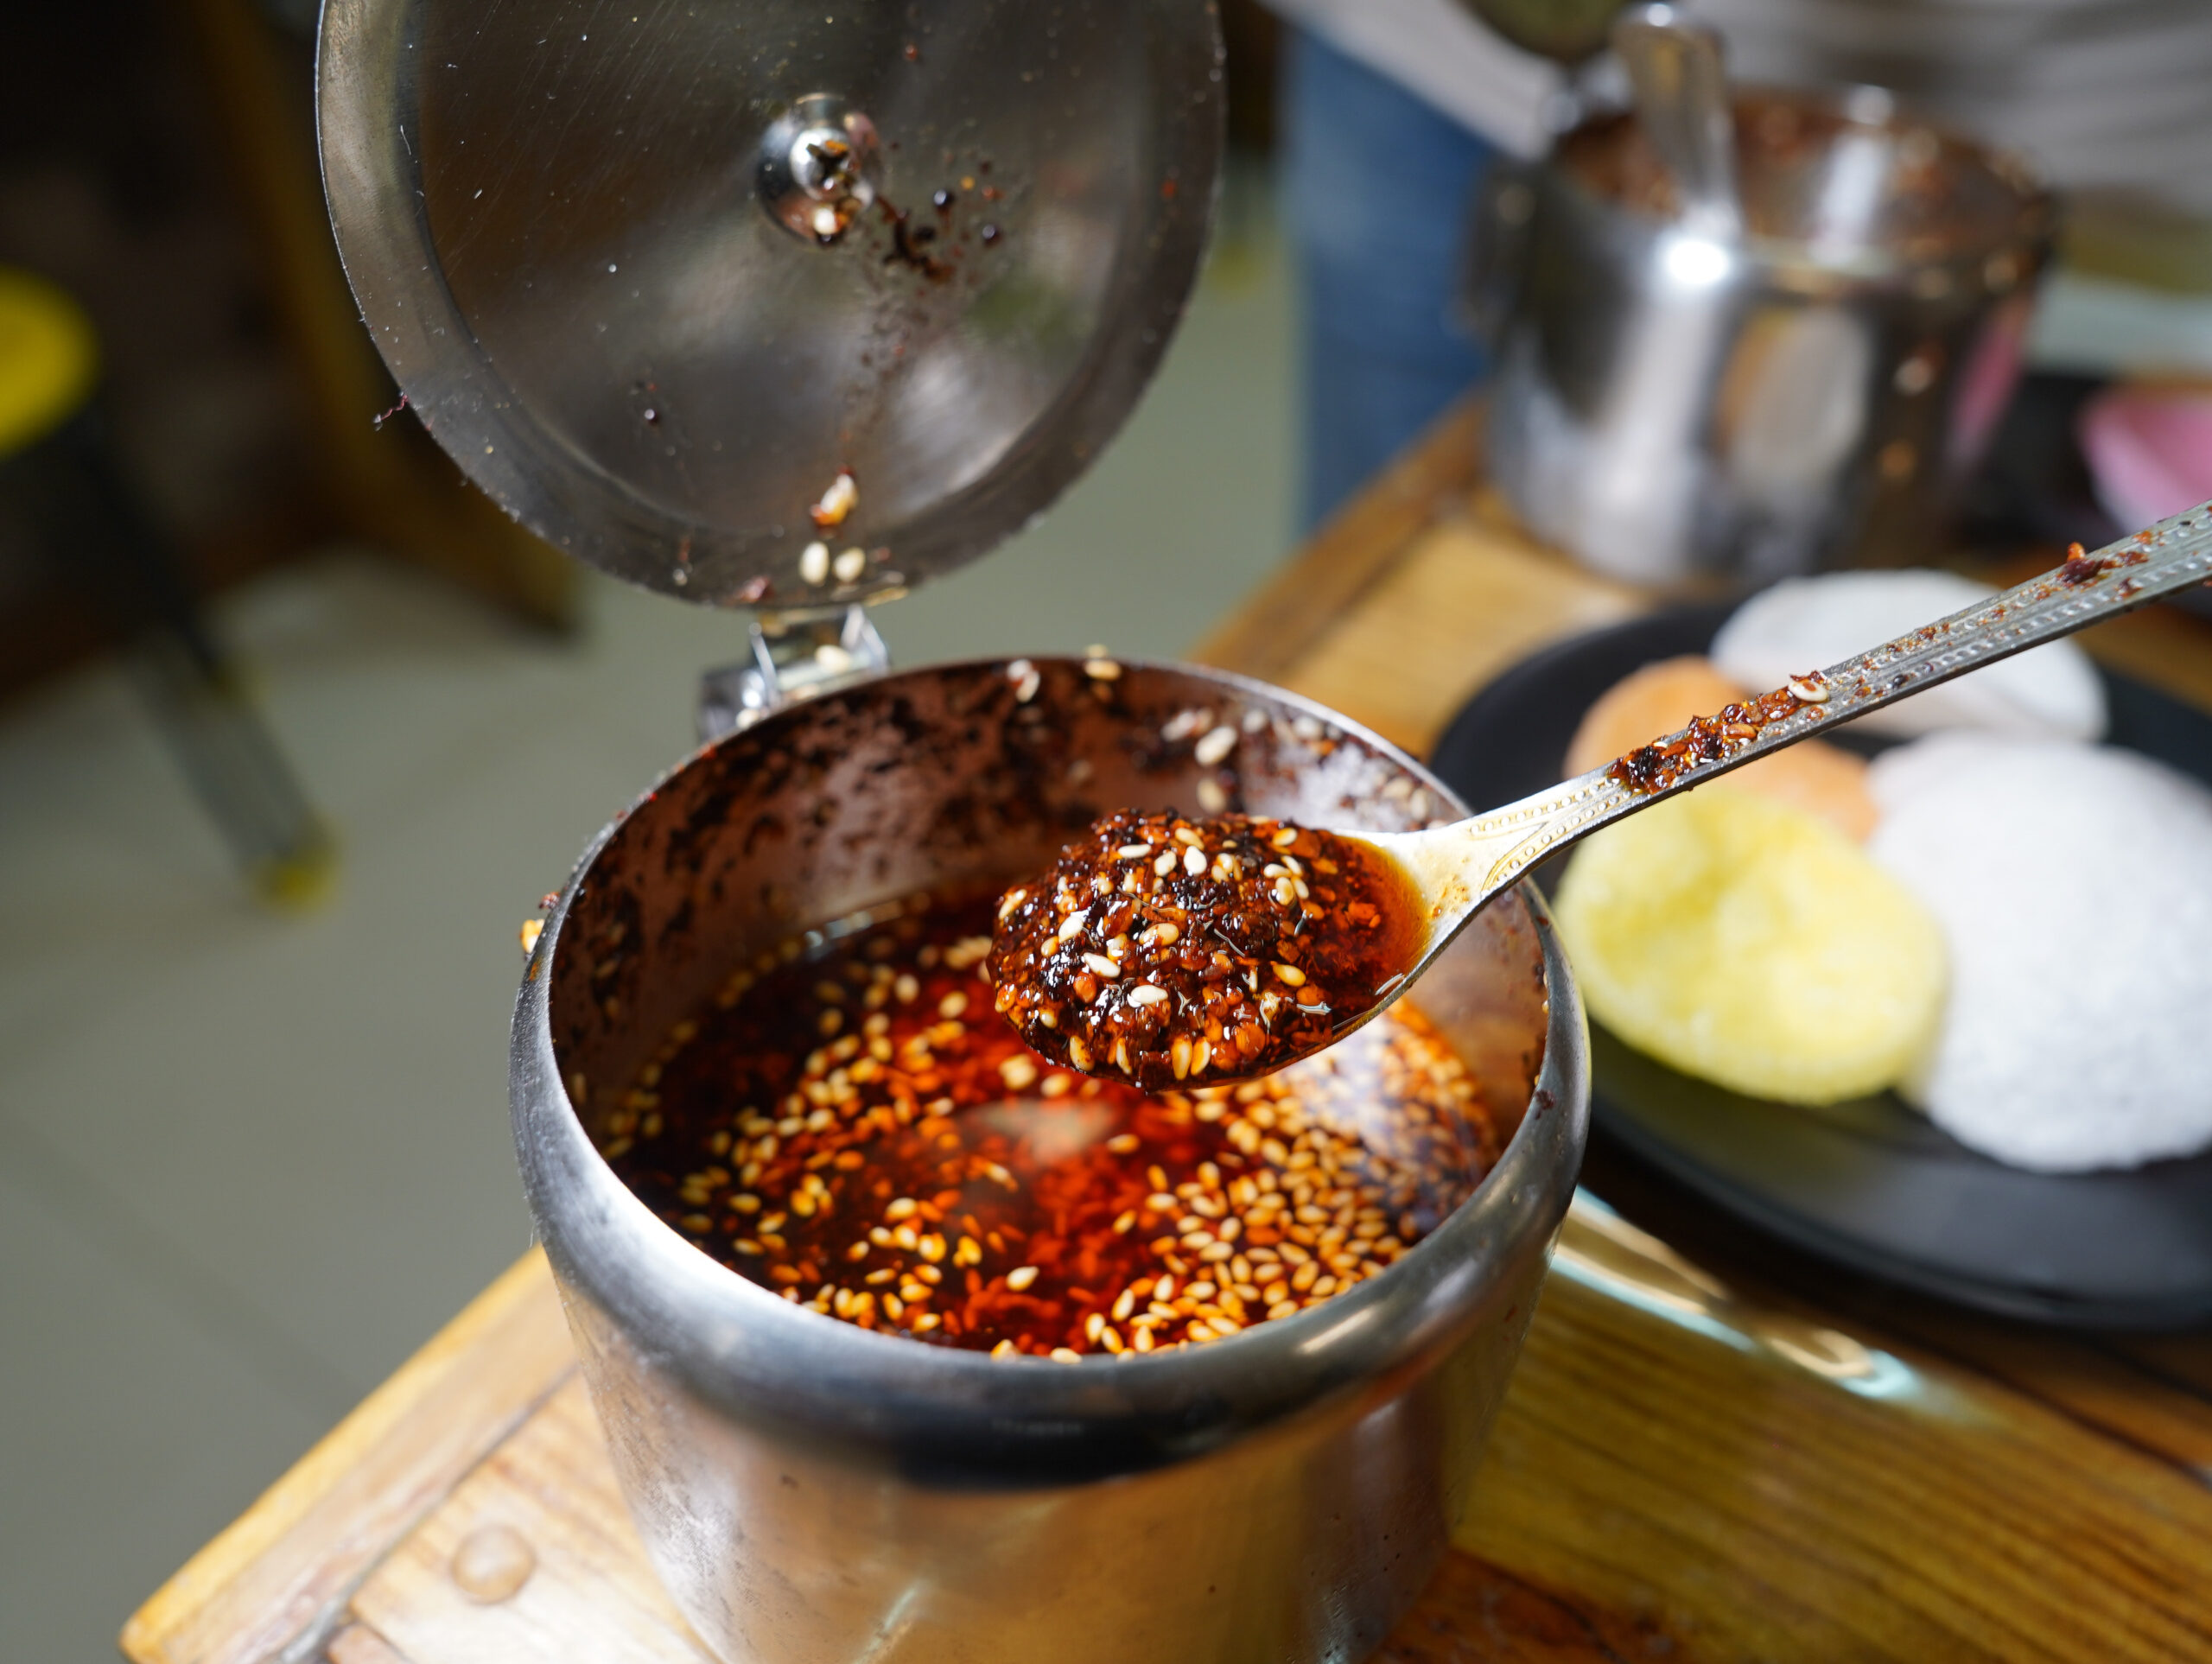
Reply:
x=1746 y=942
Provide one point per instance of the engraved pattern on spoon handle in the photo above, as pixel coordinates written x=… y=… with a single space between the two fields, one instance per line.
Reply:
x=2168 y=556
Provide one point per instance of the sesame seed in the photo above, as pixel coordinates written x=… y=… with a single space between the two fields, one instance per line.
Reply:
x=864 y=1185
x=814 y=563
x=1215 y=746
x=851 y=566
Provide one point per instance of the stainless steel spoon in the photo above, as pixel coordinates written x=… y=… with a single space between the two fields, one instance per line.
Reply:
x=1454 y=871
x=1446 y=874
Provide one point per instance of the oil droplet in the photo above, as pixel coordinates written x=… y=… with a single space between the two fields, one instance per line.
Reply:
x=492 y=1563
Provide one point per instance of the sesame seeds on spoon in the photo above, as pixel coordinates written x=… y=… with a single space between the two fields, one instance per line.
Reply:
x=1160 y=949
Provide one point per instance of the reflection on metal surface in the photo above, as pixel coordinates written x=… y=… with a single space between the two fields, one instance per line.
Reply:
x=1686 y=391
x=818 y=168
x=1601 y=1250
x=1691 y=260
x=791 y=660
x=981 y=224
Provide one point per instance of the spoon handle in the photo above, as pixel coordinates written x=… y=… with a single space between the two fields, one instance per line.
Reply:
x=2088 y=588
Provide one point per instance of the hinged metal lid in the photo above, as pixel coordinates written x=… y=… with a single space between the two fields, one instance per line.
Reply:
x=659 y=275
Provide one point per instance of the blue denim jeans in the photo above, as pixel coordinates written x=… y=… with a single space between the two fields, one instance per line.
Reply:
x=1376 y=186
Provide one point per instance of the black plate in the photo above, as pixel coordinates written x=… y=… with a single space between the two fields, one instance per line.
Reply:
x=1870 y=1185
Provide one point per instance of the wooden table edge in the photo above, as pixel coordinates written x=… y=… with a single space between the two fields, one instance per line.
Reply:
x=1280 y=621
x=377 y=1433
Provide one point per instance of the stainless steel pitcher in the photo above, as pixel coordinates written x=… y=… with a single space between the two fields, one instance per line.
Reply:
x=1673 y=406
x=813 y=1493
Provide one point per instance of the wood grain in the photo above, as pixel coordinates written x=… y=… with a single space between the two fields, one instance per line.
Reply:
x=1769 y=1479
x=1326 y=580
x=592 y=1598
x=356 y=1643
x=288 y=1565
x=1475 y=1613
x=1462 y=602
x=1736 y=1502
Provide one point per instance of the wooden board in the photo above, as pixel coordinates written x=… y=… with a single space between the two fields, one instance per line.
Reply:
x=1712 y=1449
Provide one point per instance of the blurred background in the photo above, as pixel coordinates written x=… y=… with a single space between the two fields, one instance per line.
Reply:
x=294 y=730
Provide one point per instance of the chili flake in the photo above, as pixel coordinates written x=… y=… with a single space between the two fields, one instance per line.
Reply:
x=913 y=1169
x=1163 y=950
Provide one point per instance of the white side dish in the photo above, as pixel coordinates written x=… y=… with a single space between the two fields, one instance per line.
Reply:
x=2074 y=885
x=1805 y=624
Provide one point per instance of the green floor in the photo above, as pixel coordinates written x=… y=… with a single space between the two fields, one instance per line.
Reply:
x=248 y=1163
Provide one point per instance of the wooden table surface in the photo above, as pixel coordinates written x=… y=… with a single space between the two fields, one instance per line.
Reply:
x=1712 y=1449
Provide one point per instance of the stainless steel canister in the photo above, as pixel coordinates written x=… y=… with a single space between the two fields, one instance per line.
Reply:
x=1671 y=405
x=813 y=1493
